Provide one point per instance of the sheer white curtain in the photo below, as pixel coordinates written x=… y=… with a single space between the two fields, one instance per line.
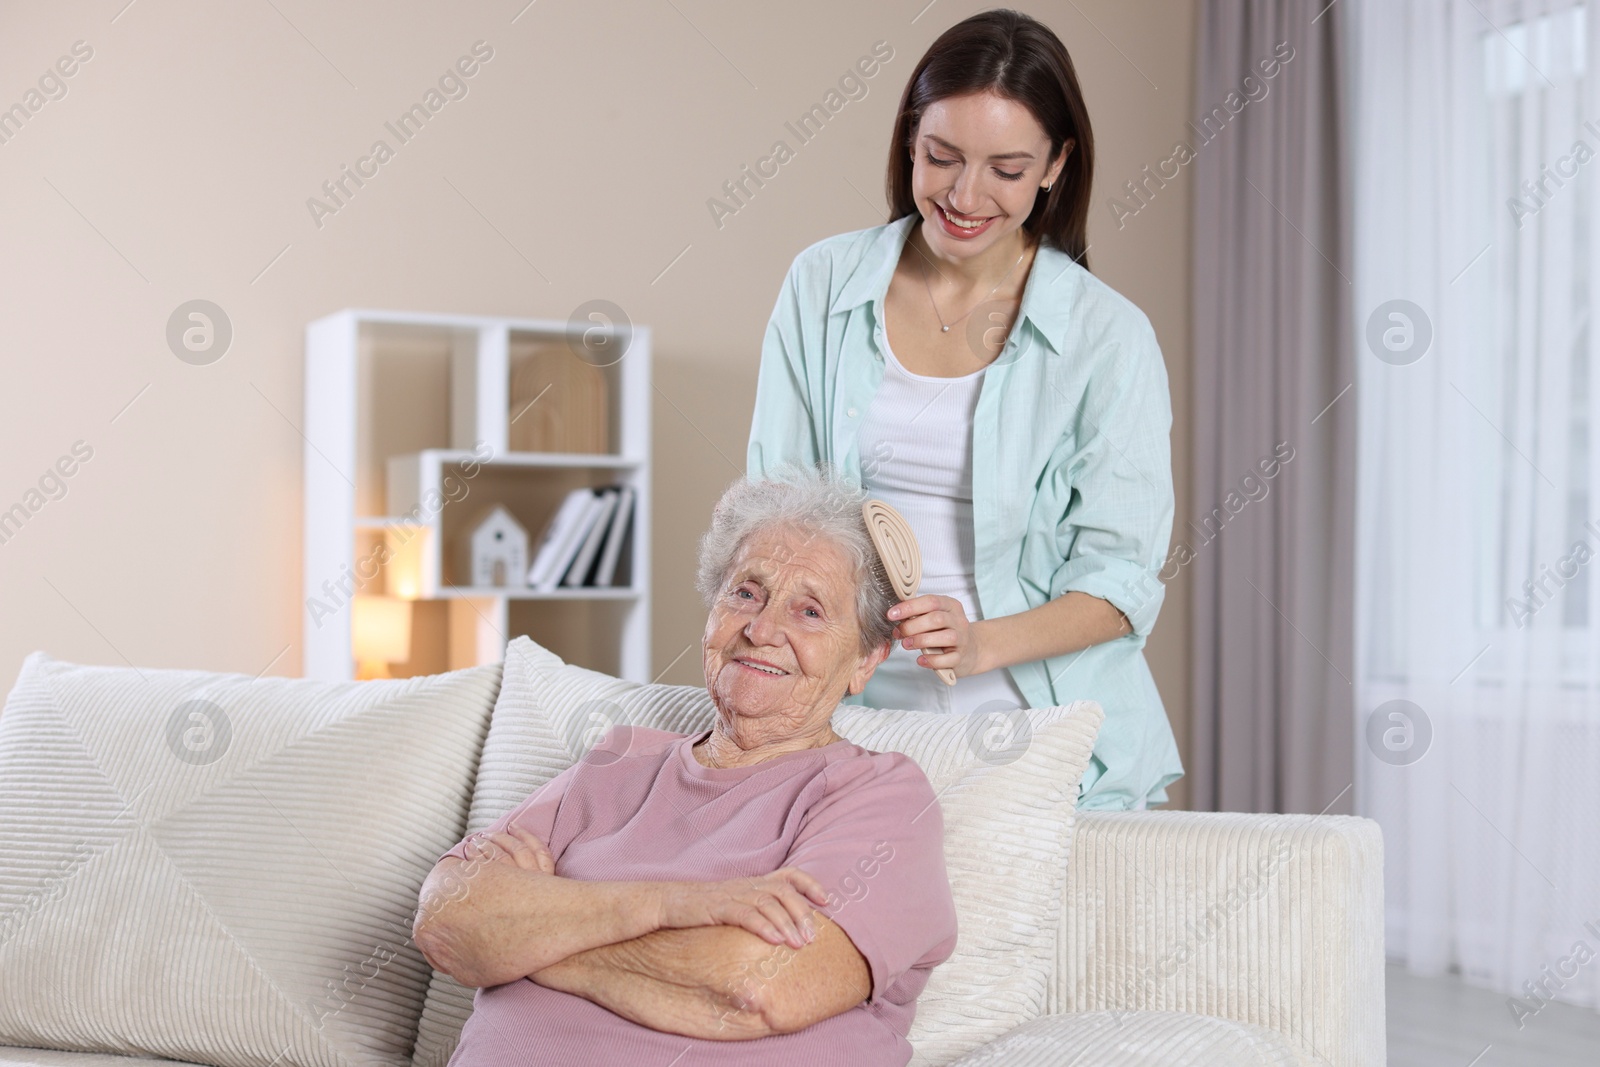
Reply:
x=1477 y=167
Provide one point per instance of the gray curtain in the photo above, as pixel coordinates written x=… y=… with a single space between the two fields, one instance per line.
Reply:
x=1271 y=531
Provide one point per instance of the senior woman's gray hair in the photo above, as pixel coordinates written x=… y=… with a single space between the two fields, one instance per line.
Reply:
x=818 y=502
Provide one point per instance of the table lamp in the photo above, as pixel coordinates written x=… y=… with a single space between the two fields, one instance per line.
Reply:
x=381 y=635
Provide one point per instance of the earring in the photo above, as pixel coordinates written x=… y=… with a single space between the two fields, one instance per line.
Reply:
x=1047 y=186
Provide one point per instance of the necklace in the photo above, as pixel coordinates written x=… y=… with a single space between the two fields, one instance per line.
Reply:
x=944 y=327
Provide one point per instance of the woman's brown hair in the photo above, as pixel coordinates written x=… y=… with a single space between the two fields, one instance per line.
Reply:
x=1019 y=58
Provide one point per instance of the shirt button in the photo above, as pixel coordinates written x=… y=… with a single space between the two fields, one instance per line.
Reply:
x=851 y=413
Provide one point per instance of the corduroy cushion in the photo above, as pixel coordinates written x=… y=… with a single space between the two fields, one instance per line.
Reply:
x=43 y=1057
x=223 y=869
x=1138 y=1039
x=1007 y=791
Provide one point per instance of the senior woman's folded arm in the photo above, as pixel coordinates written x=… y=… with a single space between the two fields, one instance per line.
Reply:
x=720 y=983
x=504 y=914
x=512 y=921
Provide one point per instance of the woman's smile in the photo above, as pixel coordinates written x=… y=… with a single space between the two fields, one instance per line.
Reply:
x=963 y=227
x=761 y=667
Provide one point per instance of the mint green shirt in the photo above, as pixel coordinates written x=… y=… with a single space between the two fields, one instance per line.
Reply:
x=1071 y=466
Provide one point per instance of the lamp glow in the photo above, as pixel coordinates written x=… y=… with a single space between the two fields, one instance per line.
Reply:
x=381 y=634
x=403 y=568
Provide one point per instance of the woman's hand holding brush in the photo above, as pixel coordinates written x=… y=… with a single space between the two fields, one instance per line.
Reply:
x=938 y=625
x=902 y=562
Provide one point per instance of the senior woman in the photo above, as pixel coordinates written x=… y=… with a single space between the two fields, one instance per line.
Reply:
x=764 y=892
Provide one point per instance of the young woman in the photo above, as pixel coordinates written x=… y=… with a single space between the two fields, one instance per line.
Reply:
x=965 y=365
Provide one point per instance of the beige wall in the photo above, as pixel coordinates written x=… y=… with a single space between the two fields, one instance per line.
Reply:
x=178 y=165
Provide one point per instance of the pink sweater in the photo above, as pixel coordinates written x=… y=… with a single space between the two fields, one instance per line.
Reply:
x=641 y=807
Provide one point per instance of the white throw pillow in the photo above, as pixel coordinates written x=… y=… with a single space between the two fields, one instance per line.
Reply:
x=1007 y=790
x=223 y=869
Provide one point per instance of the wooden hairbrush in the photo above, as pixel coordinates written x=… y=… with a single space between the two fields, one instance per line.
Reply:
x=902 y=559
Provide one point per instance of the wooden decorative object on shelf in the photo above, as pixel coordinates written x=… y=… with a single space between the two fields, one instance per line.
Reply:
x=570 y=409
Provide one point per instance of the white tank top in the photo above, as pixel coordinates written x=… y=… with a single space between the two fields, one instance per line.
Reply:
x=915 y=445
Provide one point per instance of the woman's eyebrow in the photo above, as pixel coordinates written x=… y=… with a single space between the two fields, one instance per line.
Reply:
x=806 y=587
x=998 y=155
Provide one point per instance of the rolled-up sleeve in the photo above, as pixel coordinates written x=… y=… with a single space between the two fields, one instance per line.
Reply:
x=782 y=429
x=1114 y=533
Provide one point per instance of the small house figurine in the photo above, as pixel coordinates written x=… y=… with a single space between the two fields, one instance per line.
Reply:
x=499 y=550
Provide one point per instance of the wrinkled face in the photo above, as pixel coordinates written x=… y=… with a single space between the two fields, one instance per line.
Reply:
x=782 y=642
x=978 y=161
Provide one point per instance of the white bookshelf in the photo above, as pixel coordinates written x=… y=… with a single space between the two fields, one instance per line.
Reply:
x=401 y=409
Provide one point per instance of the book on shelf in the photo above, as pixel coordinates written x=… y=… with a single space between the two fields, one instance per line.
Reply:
x=606 y=570
x=583 y=560
x=557 y=542
x=582 y=544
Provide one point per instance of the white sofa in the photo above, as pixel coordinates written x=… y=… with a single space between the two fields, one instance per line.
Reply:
x=1183 y=938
